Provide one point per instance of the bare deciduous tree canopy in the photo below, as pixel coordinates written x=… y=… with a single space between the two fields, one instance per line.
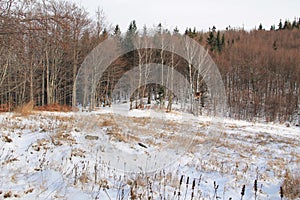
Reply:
x=43 y=44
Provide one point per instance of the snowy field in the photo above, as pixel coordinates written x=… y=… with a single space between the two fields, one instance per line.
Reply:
x=144 y=154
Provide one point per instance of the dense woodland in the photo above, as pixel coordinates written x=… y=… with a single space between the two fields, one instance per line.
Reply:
x=44 y=42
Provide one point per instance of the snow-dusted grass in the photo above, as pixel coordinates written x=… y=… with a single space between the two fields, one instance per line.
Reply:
x=47 y=155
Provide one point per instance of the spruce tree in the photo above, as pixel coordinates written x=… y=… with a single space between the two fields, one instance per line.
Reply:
x=159 y=28
x=294 y=25
x=175 y=31
x=104 y=34
x=186 y=32
x=272 y=28
x=130 y=34
x=280 y=25
x=194 y=32
x=218 y=42
x=190 y=33
x=211 y=41
x=214 y=29
x=134 y=27
x=117 y=31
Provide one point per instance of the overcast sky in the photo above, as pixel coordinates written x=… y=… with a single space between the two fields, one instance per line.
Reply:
x=201 y=14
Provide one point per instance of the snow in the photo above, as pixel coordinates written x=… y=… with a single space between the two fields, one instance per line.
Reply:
x=47 y=155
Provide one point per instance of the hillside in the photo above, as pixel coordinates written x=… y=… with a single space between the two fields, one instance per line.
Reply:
x=121 y=154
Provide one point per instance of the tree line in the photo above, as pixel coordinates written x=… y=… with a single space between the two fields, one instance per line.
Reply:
x=43 y=44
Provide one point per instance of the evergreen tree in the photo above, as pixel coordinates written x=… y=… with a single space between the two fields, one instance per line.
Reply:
x=211 y=41
x=190 y=33
x=134 y=27
x=175 y=31
x=260 y=27
x=130 y=34
x=280 y=25
x=287 y=25
x=218 y=44
x=194 y=32
x=159 y=28
x=186 y=32
x=104 y=34
x=214 y=29
x=272 y=28
x=117 y=31
x=294 y=25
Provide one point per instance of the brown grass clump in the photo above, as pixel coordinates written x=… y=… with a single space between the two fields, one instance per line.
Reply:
x=291 y=185
x=141 y=120
x=7 y=195
x=84 y=178
x=108 y=122
x=61 y=137
x=117 y=135
x=6 y=139
x=28 y=191
x=9 y=161
x=26 y=109
x=78 y=153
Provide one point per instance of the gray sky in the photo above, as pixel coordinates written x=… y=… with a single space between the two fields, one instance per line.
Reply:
x=201 y=14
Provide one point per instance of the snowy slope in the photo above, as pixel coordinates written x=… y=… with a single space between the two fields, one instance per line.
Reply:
x=114 y=153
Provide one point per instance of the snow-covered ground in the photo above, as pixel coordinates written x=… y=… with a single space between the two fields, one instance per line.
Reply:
x=114 y=153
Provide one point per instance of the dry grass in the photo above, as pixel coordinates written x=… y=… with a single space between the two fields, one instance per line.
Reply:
x=56 y=107
x=9 y=161
x=170 y=125
x=41 y=144
x=117 y=135
x=296 y=156
x=108 y=122
x=4 y=108
x=60 y=136
x=25 y=110
x=84 y=178
x=7 y=195
x=142 y=121
x=7 y=139
x=64 y=118
x=291 y=185
x=28 y=191
x=78 y=153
